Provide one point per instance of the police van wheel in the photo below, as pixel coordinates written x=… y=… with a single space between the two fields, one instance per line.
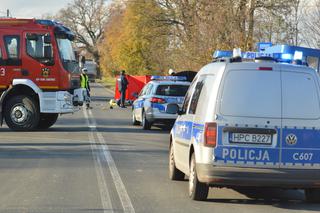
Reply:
x=174 y=173
x=47 y=120
x=134 y=120
x=197 y=190
x=312 y=195
x=145 y=123
x=21 y=113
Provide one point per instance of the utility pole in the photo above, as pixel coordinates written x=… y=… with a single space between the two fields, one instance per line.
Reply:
x=8 y=13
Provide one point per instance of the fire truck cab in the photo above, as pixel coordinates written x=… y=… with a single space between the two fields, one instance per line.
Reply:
x=39 y=74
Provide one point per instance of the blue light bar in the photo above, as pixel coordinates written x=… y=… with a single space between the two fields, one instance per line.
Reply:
x=222 y=54
x=168 y=78
x=45 y=22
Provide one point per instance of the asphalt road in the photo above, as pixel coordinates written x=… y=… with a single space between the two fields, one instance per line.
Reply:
x=95 y=161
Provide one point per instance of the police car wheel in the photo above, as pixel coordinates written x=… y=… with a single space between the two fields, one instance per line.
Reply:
x=197 y=190
x=21 y=113
x=312 y=195
x=134 y=120
x=174 y=173
x=145 y=123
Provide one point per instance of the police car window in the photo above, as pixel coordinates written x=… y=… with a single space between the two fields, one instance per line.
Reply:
x=144 y=90
x=299 y=102
x=149 y=89
x=196 y=95
x=12 y=44
x=172 y=90
x=188 y=96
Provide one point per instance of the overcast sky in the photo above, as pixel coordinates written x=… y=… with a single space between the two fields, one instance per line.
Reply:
x=31 y=8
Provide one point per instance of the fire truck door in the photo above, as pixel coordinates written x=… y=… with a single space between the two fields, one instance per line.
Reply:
x=11 y=53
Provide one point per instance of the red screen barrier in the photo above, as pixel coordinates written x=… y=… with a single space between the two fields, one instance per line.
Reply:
x=136 y=83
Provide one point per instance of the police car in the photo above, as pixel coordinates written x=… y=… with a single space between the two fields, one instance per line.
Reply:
x=150 y=105
x=249 y=124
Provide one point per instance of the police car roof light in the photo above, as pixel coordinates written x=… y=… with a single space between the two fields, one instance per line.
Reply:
x=298 y=55
x=236 y=53
x=168 y=78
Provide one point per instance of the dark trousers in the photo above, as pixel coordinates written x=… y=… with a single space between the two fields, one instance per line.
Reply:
x=123 y=97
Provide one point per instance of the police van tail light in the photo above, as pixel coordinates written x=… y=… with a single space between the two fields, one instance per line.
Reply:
x=210 y=134
x=158 y=100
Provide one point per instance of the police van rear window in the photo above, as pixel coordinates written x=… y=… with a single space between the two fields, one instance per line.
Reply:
x=251 y=93
x=172 y=90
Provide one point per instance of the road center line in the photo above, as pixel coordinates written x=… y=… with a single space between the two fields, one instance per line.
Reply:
x=122 y=192
x=102 y=184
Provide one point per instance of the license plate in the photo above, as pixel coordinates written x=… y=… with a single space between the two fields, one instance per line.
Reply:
x=250 y=138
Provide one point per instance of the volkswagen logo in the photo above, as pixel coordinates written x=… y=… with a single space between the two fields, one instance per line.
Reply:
x=291 y=139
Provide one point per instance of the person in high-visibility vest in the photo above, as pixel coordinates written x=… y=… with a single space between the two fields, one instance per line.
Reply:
x=84 y=83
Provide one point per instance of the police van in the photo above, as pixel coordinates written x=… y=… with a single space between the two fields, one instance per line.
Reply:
x=248 y=124
x=149 y=107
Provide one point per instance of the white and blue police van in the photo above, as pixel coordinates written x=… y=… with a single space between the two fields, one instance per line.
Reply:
x=248 y=124
x=150 y=106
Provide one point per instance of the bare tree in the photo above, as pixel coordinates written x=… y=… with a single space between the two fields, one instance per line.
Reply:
x=86 y=18
x=311 y=32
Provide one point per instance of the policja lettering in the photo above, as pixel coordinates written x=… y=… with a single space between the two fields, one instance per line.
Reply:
x=252 y=155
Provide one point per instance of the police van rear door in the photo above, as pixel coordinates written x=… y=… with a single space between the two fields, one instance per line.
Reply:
x=300 y=144
x=249 y=116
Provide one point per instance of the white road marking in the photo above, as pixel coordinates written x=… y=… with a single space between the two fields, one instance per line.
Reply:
x=102 y=184
x=121 y=189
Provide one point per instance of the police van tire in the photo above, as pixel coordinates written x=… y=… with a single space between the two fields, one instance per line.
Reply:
x=174 y=173
x=47 y=120
x=21 y=113
x=312 y=195
x=146 y=125
x=197 y=190
x=134 y=120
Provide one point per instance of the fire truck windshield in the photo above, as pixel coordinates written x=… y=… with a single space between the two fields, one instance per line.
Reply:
x=67 y=55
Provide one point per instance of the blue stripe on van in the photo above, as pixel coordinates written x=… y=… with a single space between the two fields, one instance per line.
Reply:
x=305 y=151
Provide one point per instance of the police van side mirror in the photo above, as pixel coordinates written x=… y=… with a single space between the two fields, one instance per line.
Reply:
x=172 y=109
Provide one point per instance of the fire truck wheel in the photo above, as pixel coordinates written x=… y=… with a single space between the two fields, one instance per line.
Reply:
x=47 y=120
x=21 y=113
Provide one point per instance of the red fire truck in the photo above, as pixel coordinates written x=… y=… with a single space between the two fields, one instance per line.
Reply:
x=39 y=74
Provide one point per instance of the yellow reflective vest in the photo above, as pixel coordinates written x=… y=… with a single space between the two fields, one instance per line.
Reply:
x=84 y=80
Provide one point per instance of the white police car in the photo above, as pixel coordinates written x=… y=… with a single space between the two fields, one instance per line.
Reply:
x=150 y=105
x=249 y=124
